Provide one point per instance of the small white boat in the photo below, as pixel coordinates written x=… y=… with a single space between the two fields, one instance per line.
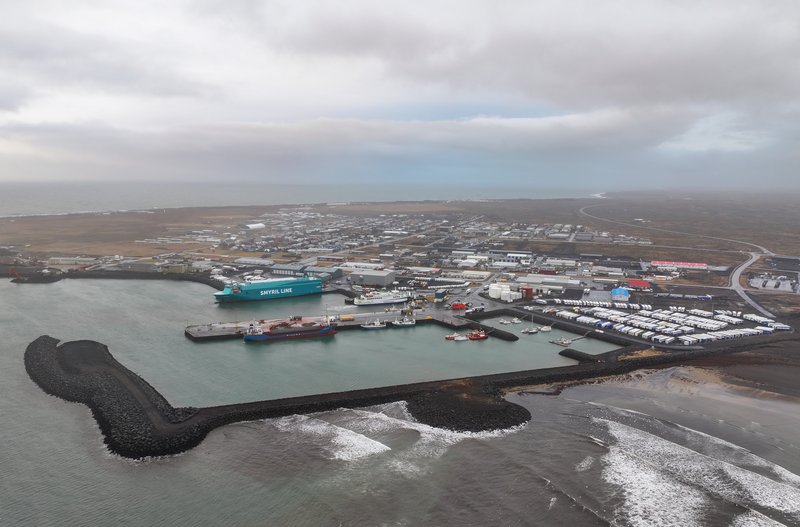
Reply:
x=405 y=322
x=375 y=324
x=545 y=329
x=503 y=321
x=515 y=320
x=530 y=331
x=461 y=338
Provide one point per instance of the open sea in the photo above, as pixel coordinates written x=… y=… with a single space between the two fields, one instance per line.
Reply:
x=24 y=199
x=658 y=448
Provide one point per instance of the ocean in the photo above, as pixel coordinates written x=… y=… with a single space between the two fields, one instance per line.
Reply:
x=655 y=448
x=23 y=199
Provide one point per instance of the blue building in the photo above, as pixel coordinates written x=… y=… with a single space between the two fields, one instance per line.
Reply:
x=620 y=295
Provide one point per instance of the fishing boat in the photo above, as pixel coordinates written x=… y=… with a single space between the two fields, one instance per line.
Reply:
x=477 y=334
x=375 y=324
x=452 y=336
x=515 y=320
x=460 y=338
x=405 y=322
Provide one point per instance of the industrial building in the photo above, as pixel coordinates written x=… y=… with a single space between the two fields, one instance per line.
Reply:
x=474 y=276
x=538 y=281
x=620 y=295
x=288 y=269
x=323 y=273
x=256 y=262
x=70 y=262
x=373 y=277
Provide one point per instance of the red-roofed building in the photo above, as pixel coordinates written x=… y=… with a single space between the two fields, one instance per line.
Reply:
x=639 y=284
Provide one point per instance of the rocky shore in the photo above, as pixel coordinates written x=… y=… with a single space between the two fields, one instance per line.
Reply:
x=136 y=421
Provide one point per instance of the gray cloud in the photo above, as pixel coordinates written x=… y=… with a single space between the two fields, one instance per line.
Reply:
x=623 y=91
x=569 y=53
x=48 y=56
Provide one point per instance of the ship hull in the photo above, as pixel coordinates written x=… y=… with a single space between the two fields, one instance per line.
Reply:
x=292 y=335
x=268 y=292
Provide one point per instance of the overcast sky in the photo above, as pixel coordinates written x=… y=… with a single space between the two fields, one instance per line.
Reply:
x=552 y=92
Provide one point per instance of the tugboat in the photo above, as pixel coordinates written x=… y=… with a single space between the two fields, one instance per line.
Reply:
x=477 y=334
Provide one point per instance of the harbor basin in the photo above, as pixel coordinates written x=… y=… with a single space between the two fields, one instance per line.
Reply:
x=142 y=324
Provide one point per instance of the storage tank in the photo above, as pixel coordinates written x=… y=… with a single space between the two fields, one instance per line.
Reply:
x=505 y=295
x=494 y=291
x=527 y=292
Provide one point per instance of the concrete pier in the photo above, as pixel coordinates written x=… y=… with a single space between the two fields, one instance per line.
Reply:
x=233 y=330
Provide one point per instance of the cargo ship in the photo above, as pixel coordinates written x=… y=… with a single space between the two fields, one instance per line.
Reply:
x=292 y=328
x=268 y=288
x=382 y=297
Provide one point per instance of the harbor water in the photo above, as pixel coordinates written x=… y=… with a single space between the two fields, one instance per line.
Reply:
x=617 y=453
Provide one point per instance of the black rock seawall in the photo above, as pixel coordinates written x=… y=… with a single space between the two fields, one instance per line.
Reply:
x=137 y=421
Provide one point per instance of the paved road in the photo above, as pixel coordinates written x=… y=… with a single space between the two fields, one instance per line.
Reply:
x=735 y=282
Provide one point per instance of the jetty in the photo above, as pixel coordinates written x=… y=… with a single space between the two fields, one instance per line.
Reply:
x=233 y=330
x=137 y=421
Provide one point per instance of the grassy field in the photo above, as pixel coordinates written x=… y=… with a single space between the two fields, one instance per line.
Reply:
x=116 y=233
x=769 y=221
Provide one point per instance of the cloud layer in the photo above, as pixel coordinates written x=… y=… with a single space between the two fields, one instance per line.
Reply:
x=627 y=93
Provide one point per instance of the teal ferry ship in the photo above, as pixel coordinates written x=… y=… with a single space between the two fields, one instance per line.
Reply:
x=268 y=288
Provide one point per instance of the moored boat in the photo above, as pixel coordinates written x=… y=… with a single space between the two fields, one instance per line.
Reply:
x=375 y=324
x=477 y=334
x=292 y=328
x=268 y=288
x=405 y=322
x=382 y=297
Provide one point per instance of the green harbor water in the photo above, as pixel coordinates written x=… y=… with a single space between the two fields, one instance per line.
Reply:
x=142 y=323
